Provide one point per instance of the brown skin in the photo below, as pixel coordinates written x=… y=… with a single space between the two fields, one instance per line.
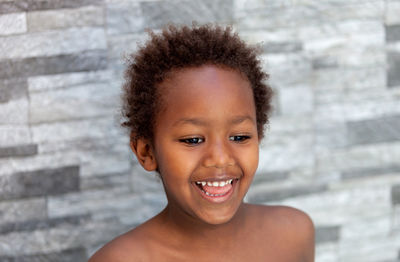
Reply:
x=207 y=131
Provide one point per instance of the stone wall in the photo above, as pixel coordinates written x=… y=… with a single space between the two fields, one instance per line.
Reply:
x=69 y=182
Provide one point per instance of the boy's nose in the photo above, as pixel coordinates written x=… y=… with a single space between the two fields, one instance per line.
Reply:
x=218 y=155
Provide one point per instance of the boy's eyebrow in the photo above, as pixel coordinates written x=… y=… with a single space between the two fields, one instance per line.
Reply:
x=192 y=121
x=240 y=119
x=201 y=122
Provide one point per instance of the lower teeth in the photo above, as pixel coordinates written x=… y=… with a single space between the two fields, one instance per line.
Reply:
x=208 y=194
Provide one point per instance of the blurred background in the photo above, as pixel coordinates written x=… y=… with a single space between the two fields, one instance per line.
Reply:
x=69 y=183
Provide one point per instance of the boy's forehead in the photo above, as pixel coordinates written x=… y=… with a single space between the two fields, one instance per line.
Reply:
x=210 y=74
x=198 y=91
x=207 y=91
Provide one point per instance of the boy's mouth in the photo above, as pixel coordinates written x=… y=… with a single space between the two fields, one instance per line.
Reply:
x=216 y=190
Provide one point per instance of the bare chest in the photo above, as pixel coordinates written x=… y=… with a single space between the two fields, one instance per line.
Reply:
x=249 y=250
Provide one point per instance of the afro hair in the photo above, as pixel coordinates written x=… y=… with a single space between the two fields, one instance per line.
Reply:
x=184 y=47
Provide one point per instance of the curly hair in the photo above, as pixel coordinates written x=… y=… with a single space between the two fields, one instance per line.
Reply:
x=183 y=47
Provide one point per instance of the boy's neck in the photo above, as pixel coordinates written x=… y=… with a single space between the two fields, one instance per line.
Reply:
x=187 y=228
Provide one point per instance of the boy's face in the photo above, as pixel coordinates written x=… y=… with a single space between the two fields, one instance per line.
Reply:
x=206 y=133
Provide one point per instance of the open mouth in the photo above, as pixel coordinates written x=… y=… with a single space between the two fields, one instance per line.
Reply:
x=216 y=190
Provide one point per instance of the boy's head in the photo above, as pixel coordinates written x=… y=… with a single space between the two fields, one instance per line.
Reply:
x=187 y=47
x=196 y=104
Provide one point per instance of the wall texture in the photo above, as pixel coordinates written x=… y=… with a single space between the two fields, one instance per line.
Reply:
x=68 y=182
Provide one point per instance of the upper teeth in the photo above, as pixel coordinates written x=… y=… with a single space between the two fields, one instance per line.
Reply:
x=215 y=183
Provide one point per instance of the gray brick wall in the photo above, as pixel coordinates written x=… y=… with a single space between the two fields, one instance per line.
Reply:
x=68 y=182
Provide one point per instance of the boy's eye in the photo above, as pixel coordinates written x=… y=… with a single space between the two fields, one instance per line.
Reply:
x=192 y=140
x=239 y=138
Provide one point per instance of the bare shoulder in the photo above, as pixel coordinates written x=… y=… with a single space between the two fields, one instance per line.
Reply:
x=124 y=248
x=291 y=227
x=294 y=219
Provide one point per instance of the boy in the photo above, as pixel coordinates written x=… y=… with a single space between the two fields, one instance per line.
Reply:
x=196 y=104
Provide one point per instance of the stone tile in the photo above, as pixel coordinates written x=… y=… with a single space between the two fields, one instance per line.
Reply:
x=290 y=125
x=125 y=17
x=324 y=63
x=12 y=24
x=40 y=183
x=51 y=160
x=32 y=225
x=367 y=172
x=13 y=88
x=282 y=47
x=393 y=76
x=372 y=131
x=269 y=177
x=266 y=38
x=327 y=252
x=326 y=97
x=392 y=33
x=324 y=36
x=357 y=157
x=381 y=105
x=32 y=5
x=52 y=43
x=275 y=111
x=273 y=14
x=97 y=239
x=392 y=12
x=69 y=255
x=296 y=100
x=287 y=69
x=372 y=57
x=78 y=129
x=7 y=259
x=260 y=195
x=396 y=194
x=282 y=152
x=112 y=144
x=105 y=181
x=349 y=44
x=325 y=234
x=121 y=46
x=13 y=135
x=345 y=80
x=102 y=232
x=47 y=65
x=340 y=207
x=384 y=248
x=77 y=102
x=51 y=82
x=118 y=65
x=105 y=162
x=14 y=112
x=144 y=182
x=157 y=14
x=45 y=241
x=14 y=211
x=362 y=228
x=22 y=150
x=325 y=139
x=247 y=5
x=87 y=202
x=63 y=18
x=151 y=205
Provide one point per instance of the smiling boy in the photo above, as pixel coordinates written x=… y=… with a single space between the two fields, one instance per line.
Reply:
x=196 y=103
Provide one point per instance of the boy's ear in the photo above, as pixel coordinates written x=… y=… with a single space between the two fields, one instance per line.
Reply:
x=144 y=153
